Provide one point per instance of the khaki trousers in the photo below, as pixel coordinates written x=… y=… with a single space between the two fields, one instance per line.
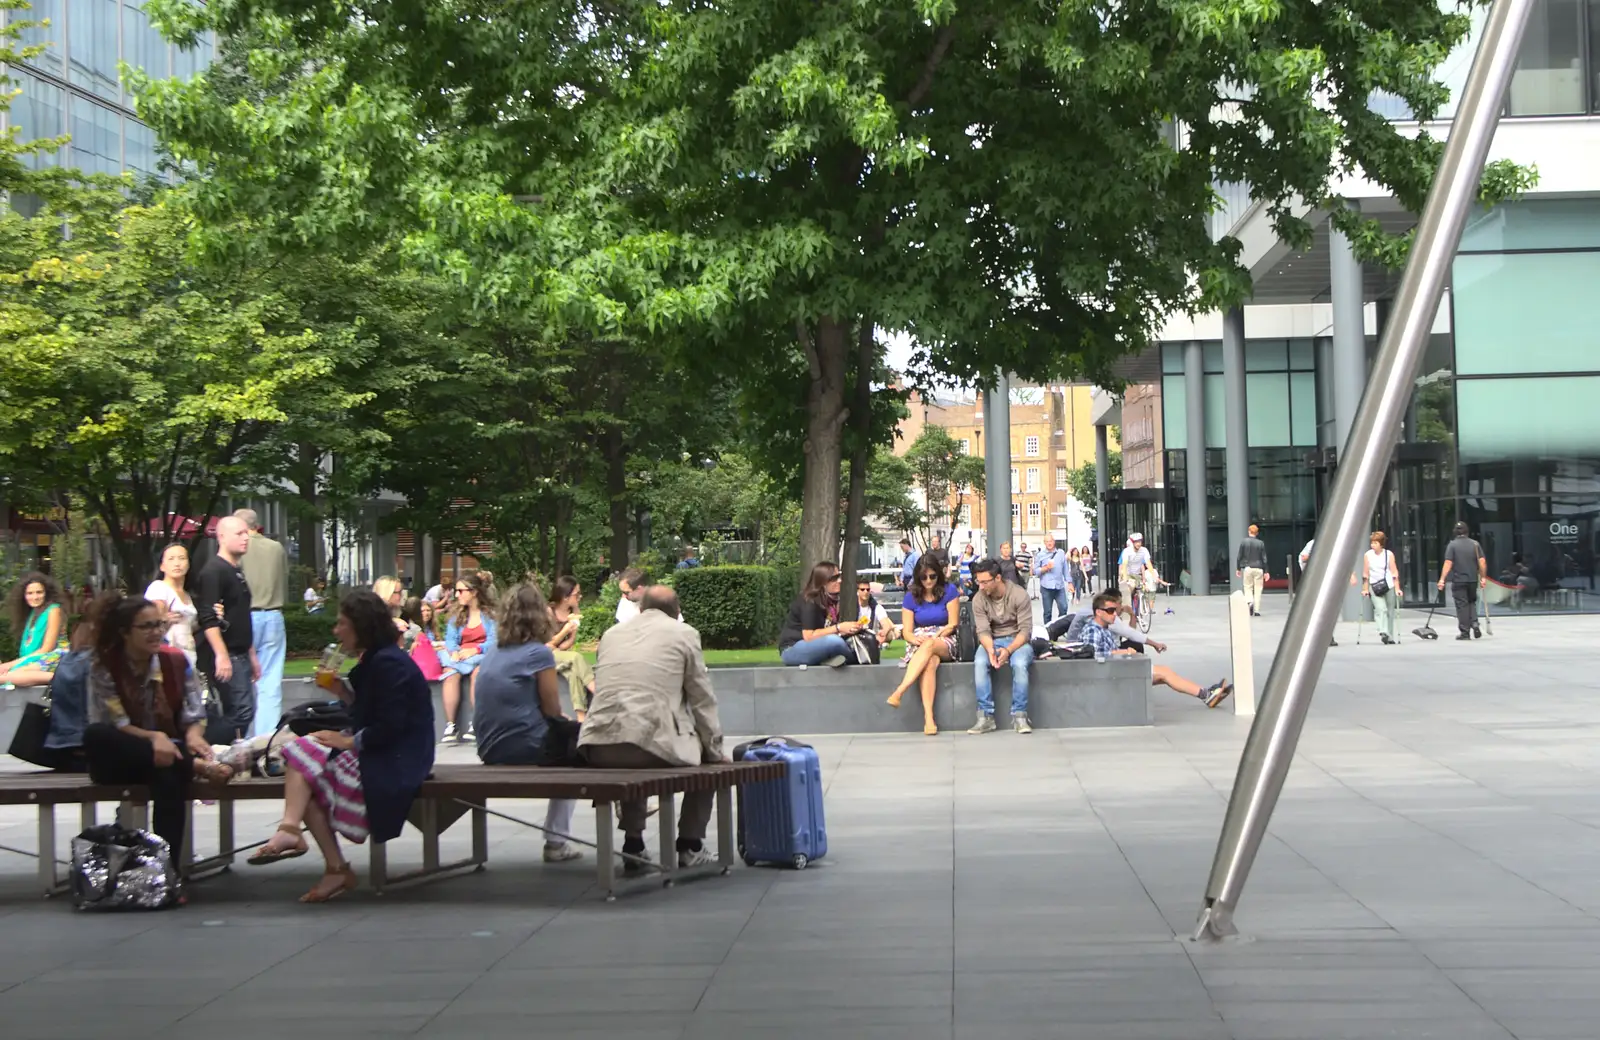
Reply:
x=1255 y=579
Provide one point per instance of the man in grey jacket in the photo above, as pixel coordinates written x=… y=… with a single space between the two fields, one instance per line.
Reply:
x=653 y=708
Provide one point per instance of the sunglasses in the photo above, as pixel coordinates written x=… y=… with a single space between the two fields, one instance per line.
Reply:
x=150 y=626
x=462 y=592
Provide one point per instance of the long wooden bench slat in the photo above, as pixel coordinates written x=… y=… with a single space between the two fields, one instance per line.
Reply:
x=465 y=781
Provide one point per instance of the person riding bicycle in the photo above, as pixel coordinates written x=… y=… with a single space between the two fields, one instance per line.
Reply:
x=1131 y=567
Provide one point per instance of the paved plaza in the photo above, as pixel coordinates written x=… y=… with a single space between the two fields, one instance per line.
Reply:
x=1433 y=871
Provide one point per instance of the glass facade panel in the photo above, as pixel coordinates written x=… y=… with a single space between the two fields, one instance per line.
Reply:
x=1174 y=414
x=1211 y=352
x=1268 y=413
x=1216 y=411
x=1594 y=55
x=96 y=142
x=142 y=46
x=139 y=146
x=1549 y=75
x=92 y=41
x=1268 y=355
x=50 y=35
x=1302 y=409
x=37 y=113
x=1551 y=420
x=1526 y=312
x=1539 y=224
x=1172 y=359
x=1302 y=355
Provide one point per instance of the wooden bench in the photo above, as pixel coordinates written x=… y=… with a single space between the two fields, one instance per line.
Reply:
x=452 y=792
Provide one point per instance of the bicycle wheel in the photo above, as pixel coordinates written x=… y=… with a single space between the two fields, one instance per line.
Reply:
x=1147 y=610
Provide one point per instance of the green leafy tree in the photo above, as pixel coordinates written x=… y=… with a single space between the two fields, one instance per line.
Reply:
x=1021 y=187
x=1083 y=483
x=945 y=476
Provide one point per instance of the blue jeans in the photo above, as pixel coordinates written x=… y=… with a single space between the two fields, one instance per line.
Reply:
x=1054 y=601
x=271 y=642
x=816 y=651
x=1019 y=663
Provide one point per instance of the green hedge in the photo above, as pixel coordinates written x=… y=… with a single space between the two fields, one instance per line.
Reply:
x=307 y=633
x=735 y=607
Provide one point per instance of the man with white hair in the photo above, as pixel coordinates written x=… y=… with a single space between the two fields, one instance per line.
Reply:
x=266 y=571
x=226 y=652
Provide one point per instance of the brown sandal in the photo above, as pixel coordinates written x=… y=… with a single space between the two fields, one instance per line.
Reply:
x=267 y=855
x=347 y=882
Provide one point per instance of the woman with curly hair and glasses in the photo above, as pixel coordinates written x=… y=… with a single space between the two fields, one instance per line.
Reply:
x=359 y=784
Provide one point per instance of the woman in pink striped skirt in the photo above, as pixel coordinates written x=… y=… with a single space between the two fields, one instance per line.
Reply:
x=361 y=783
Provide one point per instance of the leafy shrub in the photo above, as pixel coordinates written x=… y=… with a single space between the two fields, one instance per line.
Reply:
x=308 y=633
x=599 y=614
x=735 y=607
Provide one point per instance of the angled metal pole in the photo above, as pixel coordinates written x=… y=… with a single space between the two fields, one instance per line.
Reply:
x=1270 y=747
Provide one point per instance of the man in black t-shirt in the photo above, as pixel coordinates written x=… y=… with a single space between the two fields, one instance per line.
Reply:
x=1466 y=571
x=226 y=653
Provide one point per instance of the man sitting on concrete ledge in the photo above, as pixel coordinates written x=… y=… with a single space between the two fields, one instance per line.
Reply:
x=653 y=707
x=1099 y=636
x=1002 y=616
x=1074 y=625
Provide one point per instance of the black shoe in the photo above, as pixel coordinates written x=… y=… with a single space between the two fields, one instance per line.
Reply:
x=1333 y=642
x=1477 y=633
x=1383 y=637
x=1463 y=638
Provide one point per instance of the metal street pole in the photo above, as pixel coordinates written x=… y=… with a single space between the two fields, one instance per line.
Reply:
x=1287 y=696
x=996 y=466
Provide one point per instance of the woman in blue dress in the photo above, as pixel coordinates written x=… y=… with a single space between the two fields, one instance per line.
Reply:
x=929 y=616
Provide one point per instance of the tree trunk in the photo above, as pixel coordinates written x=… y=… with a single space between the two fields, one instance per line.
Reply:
x=563 y=563
x=617 y=498
x=826 y=353
x=310 y=538
x=861 y=420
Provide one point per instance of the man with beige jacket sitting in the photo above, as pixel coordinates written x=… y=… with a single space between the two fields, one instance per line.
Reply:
x=653 y=707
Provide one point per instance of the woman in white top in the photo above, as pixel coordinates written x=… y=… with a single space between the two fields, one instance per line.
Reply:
x=167 y=592
x=1380 y=580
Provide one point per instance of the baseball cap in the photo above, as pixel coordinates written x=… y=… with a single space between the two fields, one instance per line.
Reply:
x=1136 y=537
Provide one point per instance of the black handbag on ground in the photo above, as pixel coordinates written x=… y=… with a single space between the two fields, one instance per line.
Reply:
x=33 y=729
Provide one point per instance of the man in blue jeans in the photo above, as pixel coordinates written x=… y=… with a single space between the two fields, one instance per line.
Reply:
x=266 y=571
x=1050 y=566
x=1002 y=618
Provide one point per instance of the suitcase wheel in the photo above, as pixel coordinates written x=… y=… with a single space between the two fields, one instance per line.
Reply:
x=750 y=861
x=799 y=862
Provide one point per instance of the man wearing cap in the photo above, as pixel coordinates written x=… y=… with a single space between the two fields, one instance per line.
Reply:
x=1465 y=571
x=1131 y=566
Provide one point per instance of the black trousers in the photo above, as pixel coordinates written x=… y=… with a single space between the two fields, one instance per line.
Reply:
x=1466 y=600
x=116 y=757
x=237 y=696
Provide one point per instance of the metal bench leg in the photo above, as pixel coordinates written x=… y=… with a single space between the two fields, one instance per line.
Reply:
x=378 y=867
x=430 y=836
x=88 y=815
x=725 y=833
x=480 y=837
x=605 y=849
x=225 y=830
x=48 y=879
x=668 y=823
x=131 y=815
x=186 y=854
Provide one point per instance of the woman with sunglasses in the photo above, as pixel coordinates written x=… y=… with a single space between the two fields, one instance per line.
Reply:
x=815 y=633
x=470 y=635
x=931 y=612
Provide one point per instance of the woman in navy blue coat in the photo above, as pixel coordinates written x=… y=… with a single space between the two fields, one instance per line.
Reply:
x=359 y=783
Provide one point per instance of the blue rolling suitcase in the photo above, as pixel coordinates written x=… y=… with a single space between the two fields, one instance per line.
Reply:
x=780 y=821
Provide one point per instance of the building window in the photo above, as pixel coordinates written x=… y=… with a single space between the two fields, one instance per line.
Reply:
x=92 y=44
x=1034 y=513
x=966 y=446
x=1061 y=479
x=1033 y=478
x=96 y=137
x=43 y=10
x=1030 y=447
x=1016 y=515
x=1015 y=484
x=964 y=516
x=1549 y=76
x=36 y=114
x=142 y=46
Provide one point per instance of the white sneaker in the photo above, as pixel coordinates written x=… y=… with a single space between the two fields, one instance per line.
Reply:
x=469 y=737
x=450 y=736
x=835 y=661
x=563 y=853
x=700 y=857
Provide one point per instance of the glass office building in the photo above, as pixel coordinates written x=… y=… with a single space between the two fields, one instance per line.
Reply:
x=73 y=87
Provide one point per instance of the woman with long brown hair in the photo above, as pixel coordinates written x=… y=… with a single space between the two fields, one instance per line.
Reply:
x=469 y=636
x=930 y=614
x=815 y=632
x=38 y=623
x=146 y=713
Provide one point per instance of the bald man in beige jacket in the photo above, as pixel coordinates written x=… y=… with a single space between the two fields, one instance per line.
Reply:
x=652 y=708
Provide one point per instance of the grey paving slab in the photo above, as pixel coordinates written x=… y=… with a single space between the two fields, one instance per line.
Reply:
x=1431 y=872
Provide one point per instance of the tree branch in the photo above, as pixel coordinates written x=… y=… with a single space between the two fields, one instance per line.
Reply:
x=941 y=46
x=812 y=359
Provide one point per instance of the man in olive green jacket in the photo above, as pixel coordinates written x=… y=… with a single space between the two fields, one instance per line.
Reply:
x=653 y=707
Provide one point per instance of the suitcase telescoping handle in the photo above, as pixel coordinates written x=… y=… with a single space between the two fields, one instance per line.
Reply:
x=739 y=751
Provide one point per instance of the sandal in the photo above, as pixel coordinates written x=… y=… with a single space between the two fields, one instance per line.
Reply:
x=212 y=772
x=930 y=729
x=272 y=855
x=347 y=881
x=894 y=699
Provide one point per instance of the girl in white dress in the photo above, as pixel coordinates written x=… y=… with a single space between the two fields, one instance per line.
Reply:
x=167 y=592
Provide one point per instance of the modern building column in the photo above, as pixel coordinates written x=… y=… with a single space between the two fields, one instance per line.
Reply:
x=1348 y=375
x=997 y=464
x=1237 y=447
x=1194 y=386
x=1102 y=484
